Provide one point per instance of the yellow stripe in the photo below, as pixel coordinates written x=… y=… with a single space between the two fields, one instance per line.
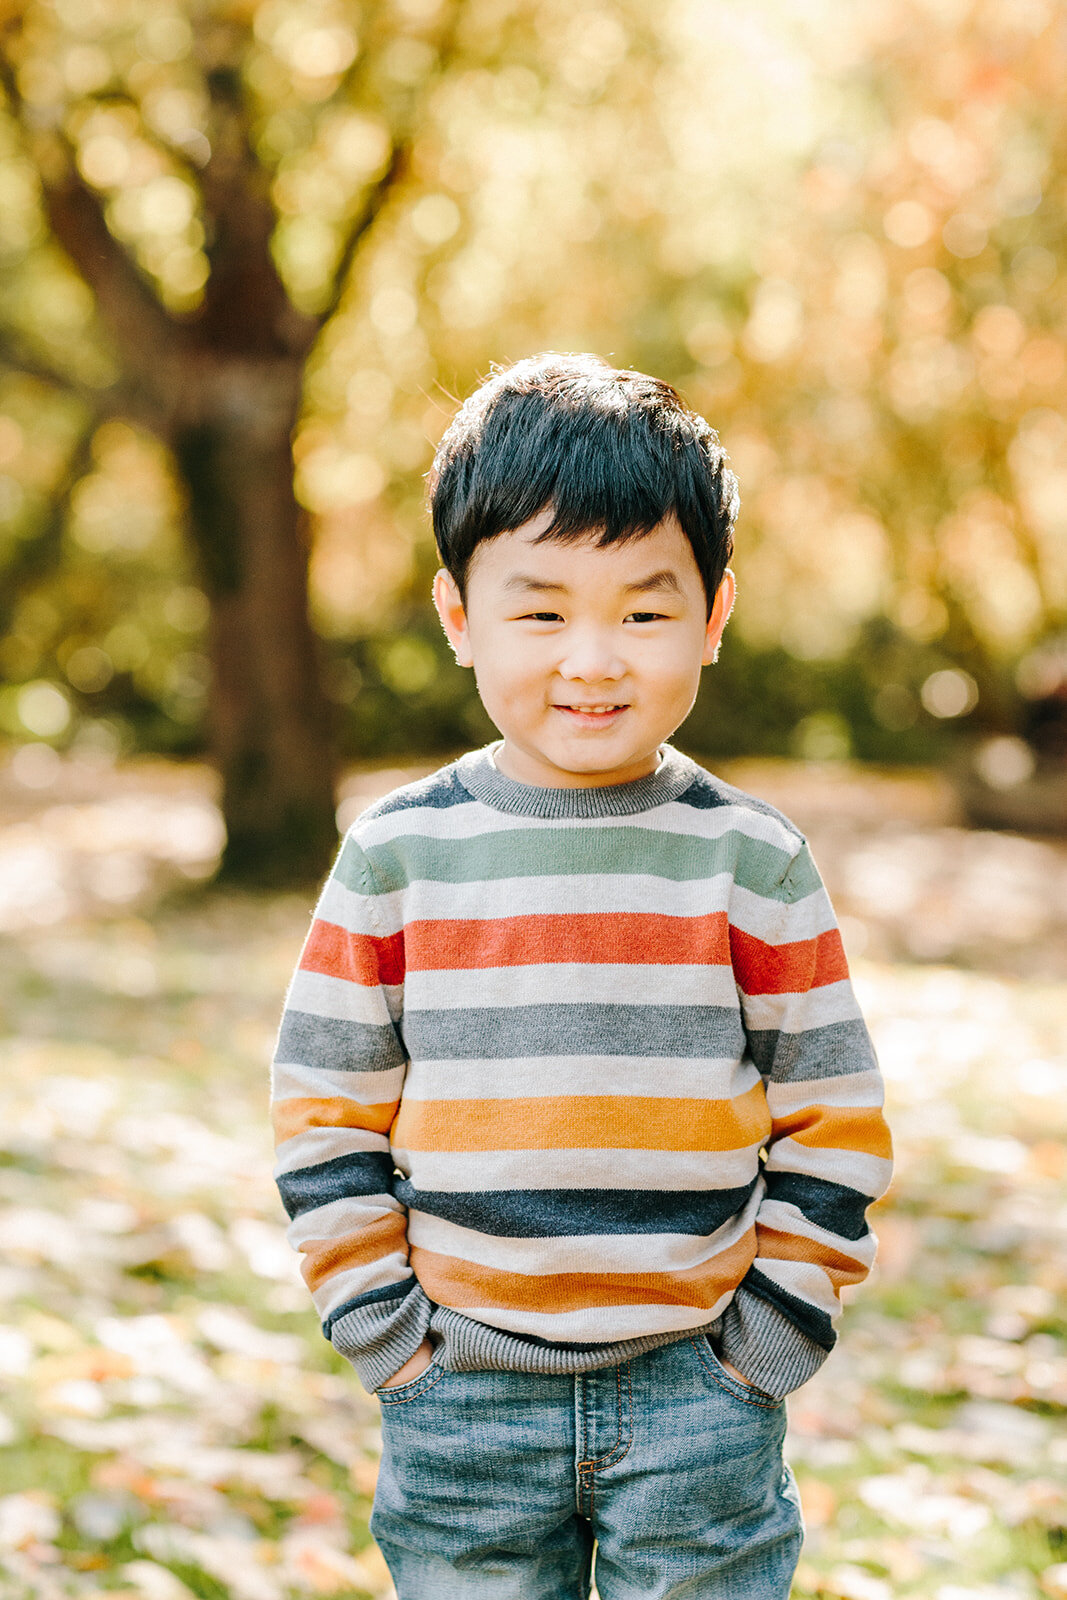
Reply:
x=296 y=1115
x=584 y=1122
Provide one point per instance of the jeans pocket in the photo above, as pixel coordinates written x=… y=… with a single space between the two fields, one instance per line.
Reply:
x=746 y=1392
x=399 y=1394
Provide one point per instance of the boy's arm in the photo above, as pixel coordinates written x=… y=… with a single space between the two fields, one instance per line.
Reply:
x=336 y=1080
x=829 y=1152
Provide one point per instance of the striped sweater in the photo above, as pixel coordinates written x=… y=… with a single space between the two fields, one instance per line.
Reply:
x=565 y=1074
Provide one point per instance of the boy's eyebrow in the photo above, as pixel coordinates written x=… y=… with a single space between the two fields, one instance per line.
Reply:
x=522 y=582
x=666 y=579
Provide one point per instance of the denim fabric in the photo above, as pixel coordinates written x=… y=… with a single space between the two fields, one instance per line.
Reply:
x=497 y=1485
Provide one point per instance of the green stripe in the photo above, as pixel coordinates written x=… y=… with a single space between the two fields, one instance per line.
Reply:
x=577 y=852
x=351 y=868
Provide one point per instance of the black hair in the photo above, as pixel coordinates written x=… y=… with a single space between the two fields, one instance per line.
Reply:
x=607 y=449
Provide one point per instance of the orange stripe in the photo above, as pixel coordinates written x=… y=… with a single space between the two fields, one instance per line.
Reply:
x=624 y=937
x=324 y=1258
x=584 y=1122
x=291 y=1117
x=357 y=957
x=452 y=1282
x=839 y=1268
x=861 y=1128
x=787 y=968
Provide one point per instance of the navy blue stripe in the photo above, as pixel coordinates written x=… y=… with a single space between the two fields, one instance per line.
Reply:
x=706 y=792
x=832 y=1051
x=498 y=1033
x=832 y=1206
x=359 y=1173
x=337 y=1044
x=808 y=1318
x=388 y=1291
x=561 y=1213
x=440 y=790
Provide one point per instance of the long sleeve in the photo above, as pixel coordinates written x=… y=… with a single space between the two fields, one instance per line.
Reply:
x=336 y=1080
x=829 y=1154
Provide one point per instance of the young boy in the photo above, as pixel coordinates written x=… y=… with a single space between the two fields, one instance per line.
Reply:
x=577 y=1117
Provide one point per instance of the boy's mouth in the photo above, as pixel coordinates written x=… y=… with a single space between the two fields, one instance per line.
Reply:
x=591 y=714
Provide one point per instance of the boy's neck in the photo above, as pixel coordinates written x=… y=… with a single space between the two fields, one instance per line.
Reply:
x=482 y=777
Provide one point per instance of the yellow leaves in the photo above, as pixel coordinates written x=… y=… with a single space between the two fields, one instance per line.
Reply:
x=908 y=223
x=776 y=322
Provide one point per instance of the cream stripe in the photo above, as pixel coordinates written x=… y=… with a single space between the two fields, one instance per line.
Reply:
x=473 y=820
x=850 y=1089
x=775 y=921
x=294 y=1081
x=514 y=897
x=868 y=1174
x=426 y=898
x=803 y=1279
x=341 y=1286
x=815 y=1008
x=323 y=996
x=607 y=1252
x=787 y=1219
x=459 y=1173
x=559 y=1076
x=577 y=983
x=314 y=1145
x=600 y=1324
x=338 y=1219
x=349 y=909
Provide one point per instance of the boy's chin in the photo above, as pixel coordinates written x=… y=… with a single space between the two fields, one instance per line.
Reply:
x=575 y=768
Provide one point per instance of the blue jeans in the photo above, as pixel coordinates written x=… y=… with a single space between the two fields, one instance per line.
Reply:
x=498 y=1485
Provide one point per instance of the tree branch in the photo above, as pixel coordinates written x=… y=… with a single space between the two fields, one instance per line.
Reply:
x=117 y=400
x=373 y=204
x=399 y=161
x=143 y=331
x=37 y=556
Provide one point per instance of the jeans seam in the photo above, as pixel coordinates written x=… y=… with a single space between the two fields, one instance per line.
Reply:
x=770 y=1404
x=588 y=1467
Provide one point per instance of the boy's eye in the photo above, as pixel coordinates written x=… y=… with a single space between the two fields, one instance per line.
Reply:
x=646 y=616
x=542 y=616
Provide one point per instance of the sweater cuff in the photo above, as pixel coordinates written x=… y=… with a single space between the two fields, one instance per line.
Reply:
x=377 y=1338
x=761 y=1342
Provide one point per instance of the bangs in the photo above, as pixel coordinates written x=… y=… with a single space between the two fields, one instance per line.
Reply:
x=611 y=453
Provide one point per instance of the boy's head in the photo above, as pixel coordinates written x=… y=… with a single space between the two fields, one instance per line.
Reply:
x=585 y=519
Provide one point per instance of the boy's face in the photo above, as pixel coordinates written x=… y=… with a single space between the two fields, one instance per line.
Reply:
x=586 y=659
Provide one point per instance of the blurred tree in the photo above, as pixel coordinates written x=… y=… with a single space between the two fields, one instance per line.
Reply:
x=207 y=343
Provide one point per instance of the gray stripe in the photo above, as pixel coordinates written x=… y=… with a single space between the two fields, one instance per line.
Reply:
x=338 y=1045
x=511 y=1032
x=829 y=1052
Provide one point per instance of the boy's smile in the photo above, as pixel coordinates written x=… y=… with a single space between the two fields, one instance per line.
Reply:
x=586 y=657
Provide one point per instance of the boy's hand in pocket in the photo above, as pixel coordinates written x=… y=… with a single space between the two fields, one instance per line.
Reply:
x=412 y=1366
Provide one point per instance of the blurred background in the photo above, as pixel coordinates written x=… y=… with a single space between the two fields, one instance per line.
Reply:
x=252 y=255
x=242 y=237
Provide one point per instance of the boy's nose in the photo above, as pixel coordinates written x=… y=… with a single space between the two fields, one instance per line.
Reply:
x=592 y=660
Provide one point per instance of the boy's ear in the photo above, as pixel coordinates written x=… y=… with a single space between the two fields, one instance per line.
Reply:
x=453 y=614
x=721 y=607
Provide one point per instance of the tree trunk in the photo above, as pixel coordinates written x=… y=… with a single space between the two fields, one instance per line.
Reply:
x=270 y=723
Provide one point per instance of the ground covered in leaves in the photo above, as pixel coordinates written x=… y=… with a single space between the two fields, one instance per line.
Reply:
x=174 y=1424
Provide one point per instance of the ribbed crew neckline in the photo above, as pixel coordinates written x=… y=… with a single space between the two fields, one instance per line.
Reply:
x=482 y=778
